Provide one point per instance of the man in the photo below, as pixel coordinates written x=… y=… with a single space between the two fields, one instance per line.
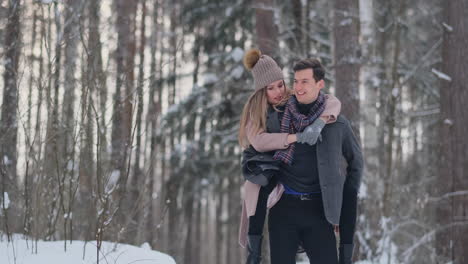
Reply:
x=318 y=198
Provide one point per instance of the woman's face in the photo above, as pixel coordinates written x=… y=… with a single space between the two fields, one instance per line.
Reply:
x=275 y=92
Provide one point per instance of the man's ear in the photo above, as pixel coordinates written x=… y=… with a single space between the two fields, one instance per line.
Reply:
x=321 y=84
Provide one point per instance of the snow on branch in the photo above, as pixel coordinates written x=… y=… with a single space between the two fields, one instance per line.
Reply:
x=428 y=237
x=441 y=75
x=447 y=27
x=448 y=195
x=425 y=112
x=423 y=60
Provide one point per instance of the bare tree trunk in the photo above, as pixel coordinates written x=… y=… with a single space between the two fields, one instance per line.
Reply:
x=137 y=179
x=9 y=123
x=298 y=34
x=30 y=139
x=161 y=145
x=376 y=96
x=154 y=108
x=174 y=179
x=36 y=147
x=265 y=27
x=347 y=58
x=98 y=79
x=451 y=238
x=204 y=201
x=220 y=246
x=173 y=40
x=188 y=206
x=198 y=228
x=383 y=15
x=32 y=59
x=395 y=95
x=369 y=124
x=90 y=188
x=190 y=189
x=52 y=158
x=173 y=191
x=122 y=115
x=196 y=56
x=71 y=39
x=234 y=209
x=85 y=210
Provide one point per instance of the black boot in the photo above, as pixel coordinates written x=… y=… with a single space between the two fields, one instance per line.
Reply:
x=254 y=249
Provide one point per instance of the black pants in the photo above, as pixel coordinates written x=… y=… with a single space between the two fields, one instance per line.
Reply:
x=257 y=221
x=292 y=220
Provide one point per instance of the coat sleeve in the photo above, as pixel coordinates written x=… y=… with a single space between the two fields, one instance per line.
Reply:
x=332 y=108
x=263 y=142
x=352 y=152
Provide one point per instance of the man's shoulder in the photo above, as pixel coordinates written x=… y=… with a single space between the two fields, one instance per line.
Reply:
x=342 y=119
x=341 y=124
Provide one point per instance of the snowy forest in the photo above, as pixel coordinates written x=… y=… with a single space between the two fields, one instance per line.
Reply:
x=119 y=119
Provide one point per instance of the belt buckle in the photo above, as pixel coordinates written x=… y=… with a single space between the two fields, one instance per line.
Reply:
x=305 y=197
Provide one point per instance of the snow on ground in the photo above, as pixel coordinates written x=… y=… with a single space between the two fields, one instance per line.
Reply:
x=20 y=251
x=380 y=261
x=383 y=259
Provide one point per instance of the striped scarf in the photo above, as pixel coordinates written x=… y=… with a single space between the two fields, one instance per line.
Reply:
x=293 y=122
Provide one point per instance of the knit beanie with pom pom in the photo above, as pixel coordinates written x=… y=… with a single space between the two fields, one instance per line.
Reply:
x=264 y=68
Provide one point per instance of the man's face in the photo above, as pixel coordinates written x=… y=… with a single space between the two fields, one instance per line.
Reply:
x=305 y=86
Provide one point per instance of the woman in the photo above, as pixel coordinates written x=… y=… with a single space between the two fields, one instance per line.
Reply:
x=270 y=96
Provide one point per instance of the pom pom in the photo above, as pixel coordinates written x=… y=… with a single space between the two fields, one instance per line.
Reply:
x=251 y=57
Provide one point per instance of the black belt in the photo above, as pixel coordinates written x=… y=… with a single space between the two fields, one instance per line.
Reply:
x=303 y=197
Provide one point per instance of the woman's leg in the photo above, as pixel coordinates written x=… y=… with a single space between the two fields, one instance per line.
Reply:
x=256 y=224
x=257 y=221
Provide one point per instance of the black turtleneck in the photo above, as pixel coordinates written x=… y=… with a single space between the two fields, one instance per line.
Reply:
x=302 y=174
x=305 y=108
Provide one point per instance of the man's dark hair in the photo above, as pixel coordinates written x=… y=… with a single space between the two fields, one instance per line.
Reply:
x=314 y=64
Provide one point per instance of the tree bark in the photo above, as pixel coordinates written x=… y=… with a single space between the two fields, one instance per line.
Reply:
x=154 y=110
x=9 y=121
x=73 y=11
x=451 y=239
x=122 y=114
x=266 y=31
x=52 y=159
x=138 y=177
x=347 y=58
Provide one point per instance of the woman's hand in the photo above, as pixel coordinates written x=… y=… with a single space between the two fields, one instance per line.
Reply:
x=311 y=133
x=291 y=138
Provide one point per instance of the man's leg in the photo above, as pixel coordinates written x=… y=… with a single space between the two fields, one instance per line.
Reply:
x=317 y=235
x=320 y=245
x=283 y=233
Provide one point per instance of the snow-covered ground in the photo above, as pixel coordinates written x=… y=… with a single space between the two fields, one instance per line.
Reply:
x=382 y=260
x=21 y=251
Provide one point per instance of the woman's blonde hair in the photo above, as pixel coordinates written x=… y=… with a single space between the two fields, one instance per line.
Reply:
x=255 y=113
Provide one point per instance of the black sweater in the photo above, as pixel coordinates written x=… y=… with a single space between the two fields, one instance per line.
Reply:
x=302 y=174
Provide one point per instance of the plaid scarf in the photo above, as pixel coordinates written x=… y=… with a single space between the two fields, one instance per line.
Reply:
x=293 y=121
